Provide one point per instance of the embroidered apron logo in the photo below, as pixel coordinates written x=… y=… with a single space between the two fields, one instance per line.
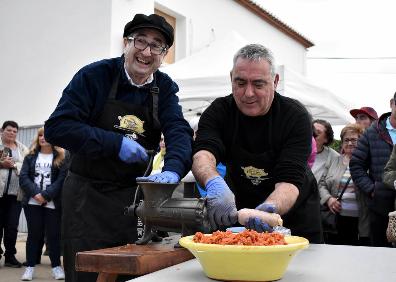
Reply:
x=131 y=124
x=255 y=175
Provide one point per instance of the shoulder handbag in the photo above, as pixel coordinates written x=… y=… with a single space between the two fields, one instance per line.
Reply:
x=329 y=219
x=391 y=229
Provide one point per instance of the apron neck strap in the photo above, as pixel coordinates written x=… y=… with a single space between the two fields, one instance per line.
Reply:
x=154 y=91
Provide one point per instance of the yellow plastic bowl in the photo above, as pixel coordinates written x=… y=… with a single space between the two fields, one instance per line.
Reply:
x=245 y=263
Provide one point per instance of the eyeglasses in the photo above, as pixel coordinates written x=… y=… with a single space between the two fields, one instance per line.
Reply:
x=141 y=44
x=352 y=140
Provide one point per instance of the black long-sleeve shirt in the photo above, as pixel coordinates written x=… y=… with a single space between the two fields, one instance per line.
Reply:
x=285 y=130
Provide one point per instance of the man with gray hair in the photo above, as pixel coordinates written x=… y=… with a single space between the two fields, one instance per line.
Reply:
x=264 y=139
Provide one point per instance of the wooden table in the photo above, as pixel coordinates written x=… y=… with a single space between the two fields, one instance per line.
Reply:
x=131 y=259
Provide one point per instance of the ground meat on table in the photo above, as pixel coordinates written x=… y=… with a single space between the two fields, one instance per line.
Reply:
x=246 y=238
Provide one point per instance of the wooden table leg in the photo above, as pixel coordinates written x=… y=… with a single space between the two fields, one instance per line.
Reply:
x=106 y=277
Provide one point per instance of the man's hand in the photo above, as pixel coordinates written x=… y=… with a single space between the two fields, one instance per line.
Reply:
x=258 y=224
x=163 y=177
x=132 y=152
x=221 y=203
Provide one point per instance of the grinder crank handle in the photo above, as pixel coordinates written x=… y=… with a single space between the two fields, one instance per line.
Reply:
x=151 y=153
x=130 y=210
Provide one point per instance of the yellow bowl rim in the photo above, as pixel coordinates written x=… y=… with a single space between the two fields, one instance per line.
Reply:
x=301 y=243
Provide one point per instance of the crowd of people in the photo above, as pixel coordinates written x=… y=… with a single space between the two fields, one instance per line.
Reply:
x=31 y=179
x=351 y=178
x=251 y=149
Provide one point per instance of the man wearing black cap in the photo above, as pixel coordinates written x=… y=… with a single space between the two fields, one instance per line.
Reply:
x=367 y=165
x=111 y=113
x=364 y=116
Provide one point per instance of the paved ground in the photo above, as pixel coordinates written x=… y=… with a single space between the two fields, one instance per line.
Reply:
x=42 y=271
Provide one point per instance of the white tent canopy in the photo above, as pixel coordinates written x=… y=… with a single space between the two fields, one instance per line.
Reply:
x=321 y=103
x=204 y=76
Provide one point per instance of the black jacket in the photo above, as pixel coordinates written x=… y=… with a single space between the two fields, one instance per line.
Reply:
x=367 y=166
x=52 y=192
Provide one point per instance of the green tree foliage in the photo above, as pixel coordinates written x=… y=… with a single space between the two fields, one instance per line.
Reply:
x=336 y=145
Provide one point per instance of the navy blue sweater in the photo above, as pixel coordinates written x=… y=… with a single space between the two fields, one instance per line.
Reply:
x=71 y=124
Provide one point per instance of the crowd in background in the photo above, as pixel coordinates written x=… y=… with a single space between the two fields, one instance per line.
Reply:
x=31 y=179
x=354 y=197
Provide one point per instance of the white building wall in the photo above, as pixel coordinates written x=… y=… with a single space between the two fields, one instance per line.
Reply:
x=122 y=11
x=45 y=42
x=208 y=20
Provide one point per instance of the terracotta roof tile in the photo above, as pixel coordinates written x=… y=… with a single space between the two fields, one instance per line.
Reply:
x=275 y=22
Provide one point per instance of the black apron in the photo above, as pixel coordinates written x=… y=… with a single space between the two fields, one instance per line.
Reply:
x=96 y=191
x=251 y=179
x=134 y=121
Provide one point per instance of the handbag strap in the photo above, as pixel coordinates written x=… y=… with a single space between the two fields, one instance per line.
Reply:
x=7 y=186
x=326 y=167
x=345 y=187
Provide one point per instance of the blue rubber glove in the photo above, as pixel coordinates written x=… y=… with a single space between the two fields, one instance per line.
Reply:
x=256 y=223
x=220 y=203
x=163 y=177
x=132 y=152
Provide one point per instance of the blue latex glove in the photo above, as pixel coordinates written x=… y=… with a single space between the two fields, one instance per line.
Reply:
x=256 y=223
x=163 y=177
x=132 y=152
x=220 y=203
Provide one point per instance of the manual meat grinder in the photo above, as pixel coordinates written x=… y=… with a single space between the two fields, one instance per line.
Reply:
x=159 y=211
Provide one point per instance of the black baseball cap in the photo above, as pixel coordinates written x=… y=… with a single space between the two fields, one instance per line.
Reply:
x=150 y=21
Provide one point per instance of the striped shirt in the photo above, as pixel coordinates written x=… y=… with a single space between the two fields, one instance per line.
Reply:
x=349 y=205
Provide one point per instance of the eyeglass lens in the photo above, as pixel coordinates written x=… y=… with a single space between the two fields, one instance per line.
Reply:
x=141 y=44
x=352 y=140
